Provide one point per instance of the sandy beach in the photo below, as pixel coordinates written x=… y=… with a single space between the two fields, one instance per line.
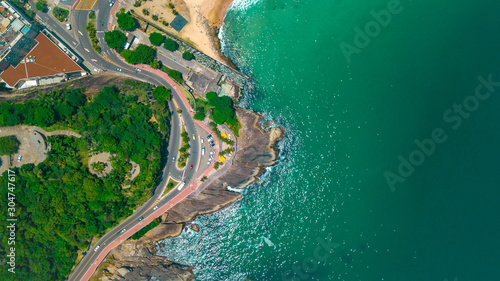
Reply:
x=204 y=19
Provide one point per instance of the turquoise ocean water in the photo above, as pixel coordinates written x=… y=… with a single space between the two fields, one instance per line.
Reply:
x=327 y=212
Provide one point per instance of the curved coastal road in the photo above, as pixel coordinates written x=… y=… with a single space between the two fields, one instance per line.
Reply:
x=78 y=40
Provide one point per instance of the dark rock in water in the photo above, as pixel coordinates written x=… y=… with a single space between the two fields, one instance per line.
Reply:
x=195 y=227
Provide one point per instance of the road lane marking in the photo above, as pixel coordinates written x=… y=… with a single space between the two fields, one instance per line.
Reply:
x=80 y=32
x=86 y=50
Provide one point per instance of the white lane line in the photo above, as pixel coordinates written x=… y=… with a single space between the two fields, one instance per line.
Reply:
x=80 y=32
x=86 y=50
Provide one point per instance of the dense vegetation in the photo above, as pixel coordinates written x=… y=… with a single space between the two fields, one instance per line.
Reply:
x=161 y=94
x=156 y=38
x=41 y=5
x=187 y=55
x=223 y=109
x=142 y=54
x=8 y=145
x=115 y=39
x=60 y=13
x=125 y=20
x=170 y=45
x=59 y=204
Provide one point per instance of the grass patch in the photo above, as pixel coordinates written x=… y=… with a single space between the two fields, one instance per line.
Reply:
x=184 y=150
x=145 y=229
x=170 y=185
x=176 y=75
x=60 y=13
x=188 y=96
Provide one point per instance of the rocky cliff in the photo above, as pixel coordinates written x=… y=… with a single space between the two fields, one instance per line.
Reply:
x=135 y=260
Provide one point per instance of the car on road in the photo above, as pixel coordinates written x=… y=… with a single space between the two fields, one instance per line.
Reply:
x=111 y=4
x=119 y=69
x=138 y=69
x=191 y=167
x=173 y=159
x=202 y=151
x=155 y=208
x=97 y=248
x=141 y=218
x=194 y=138
x=68 y=26
x=19 y=158
x=123 y=230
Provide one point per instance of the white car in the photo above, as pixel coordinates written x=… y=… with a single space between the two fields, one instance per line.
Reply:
x=202 y=151
x=212 y=152
x=202 y=140
x=123 y=230
x=97 y=248
x=155 y=208
x=68 y=26
x=19 y=158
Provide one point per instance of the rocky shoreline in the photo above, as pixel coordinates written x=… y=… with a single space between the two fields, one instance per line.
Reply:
x=136 y=260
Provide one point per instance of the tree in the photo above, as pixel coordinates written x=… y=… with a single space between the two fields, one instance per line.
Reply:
x=41 y=5
x=199 y=116
x=187 y=55
x=125 y=20
x=156 y=64
x=170 y=45
x=8 y=145
x=156 y=38
x=161 y=93
x=60 y=13
x=141 y=54
x=115 y=39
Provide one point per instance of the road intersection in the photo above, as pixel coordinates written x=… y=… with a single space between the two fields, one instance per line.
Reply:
x=78 y=40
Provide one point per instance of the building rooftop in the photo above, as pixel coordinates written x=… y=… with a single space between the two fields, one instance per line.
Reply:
x=45 y=59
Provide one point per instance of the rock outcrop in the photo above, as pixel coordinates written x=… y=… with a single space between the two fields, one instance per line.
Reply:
x=256 y=150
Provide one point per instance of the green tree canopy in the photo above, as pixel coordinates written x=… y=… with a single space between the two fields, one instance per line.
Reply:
x=223 y=109
x=125 y=20
x=170 y=45
x=142 y=54
x=115 y=39
x=41 y=5
x=156 y=38
x=187 y=55
x=8 y=145
x=161 y=93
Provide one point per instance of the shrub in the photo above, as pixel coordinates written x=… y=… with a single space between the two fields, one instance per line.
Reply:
x=137 y=3
x=115 y=39
x=187 y=55
x=125 y=20
x=156 y=38
x=41 y=5
x=141 y=54
x=154 y=17
x=60 y=13
x=164 y=22
x=145 y=12
x=170 y=45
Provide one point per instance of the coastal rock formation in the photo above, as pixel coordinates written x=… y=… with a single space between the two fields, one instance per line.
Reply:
x=256 y=150
x=133 y=260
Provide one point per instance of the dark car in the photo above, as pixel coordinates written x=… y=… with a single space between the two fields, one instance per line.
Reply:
x=191 y=167
x=173 y=159
x=209 y=137
x=141 y=218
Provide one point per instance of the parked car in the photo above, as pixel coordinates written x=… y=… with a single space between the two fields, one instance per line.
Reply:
x=202 y=151
x=141 y=218
x=212 y=152
x=191 y=167
x=96 y=248
x=209 y=162
x=209 y=137
x=19 y=158
x=201 y=140
x=68 y=26
x=194 y=137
